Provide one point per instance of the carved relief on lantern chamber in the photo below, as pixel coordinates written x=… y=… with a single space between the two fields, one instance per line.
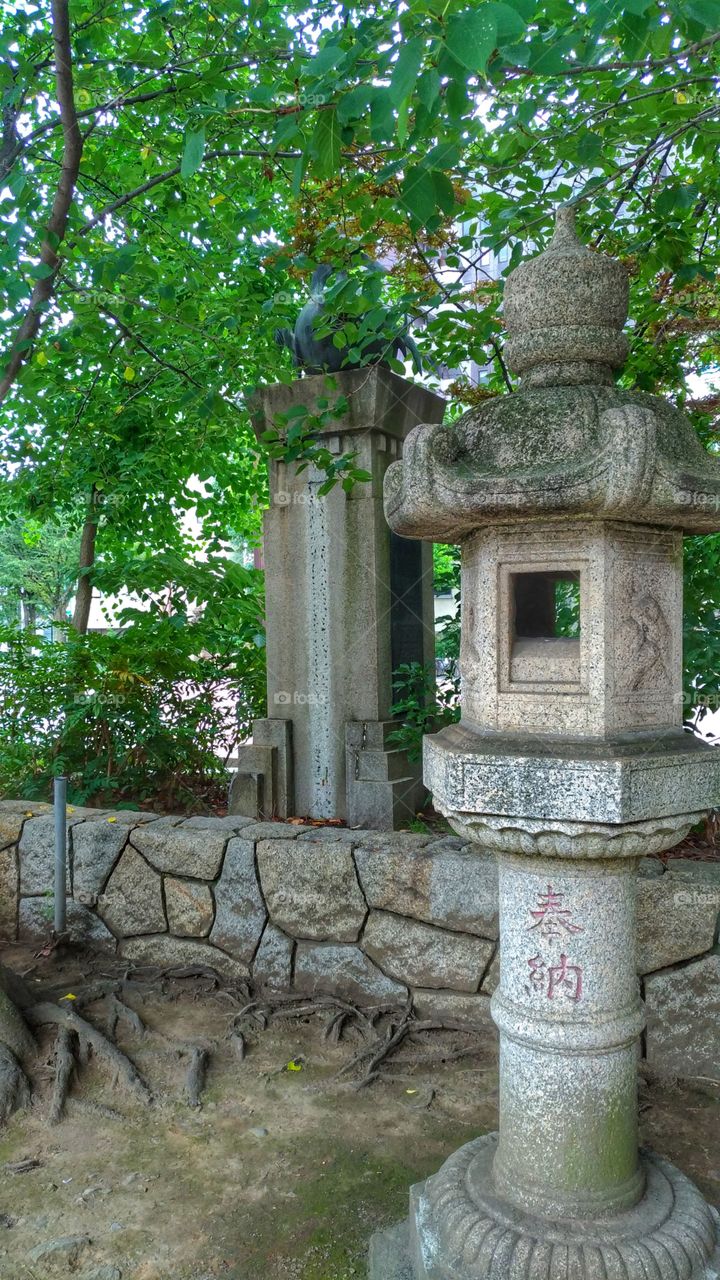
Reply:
x=646 y=658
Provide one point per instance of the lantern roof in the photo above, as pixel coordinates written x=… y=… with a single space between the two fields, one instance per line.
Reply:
x=569 y=442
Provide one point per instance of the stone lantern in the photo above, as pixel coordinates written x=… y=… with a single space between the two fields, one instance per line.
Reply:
x=569 y=498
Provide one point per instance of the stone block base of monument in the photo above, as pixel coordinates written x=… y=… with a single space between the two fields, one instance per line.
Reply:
x=459 y=1228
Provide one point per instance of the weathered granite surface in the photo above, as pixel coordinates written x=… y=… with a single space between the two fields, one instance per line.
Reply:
x=182 y=850
x=11 y=825
x=346 y=970
x=37 y=853
x=190 y=907
x=569 y=498
x=240 y=912
x=423 y=955
x=169 y=953
x=683 y=1018
x=35 y=919
x=96 y=848
x=438 y=903
x=456 y=1007
x=451 y=886
x=272 y=967
x=312 y=889
x=8 y=891
x=132 y=902
x=676 y=920
x=345 y=605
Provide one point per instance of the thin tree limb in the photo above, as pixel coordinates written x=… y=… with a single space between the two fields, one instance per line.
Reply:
x=83 y=596
x=57 y=222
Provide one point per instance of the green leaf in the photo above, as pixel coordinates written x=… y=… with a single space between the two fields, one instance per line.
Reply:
x=323 y=61
x=406 y=69
x=703 y=11
x=382 y=118
x=325 y=145
x=42 y=271
x=428 y=89
x=510 y=24
x=354 y=104
x=193 y=152
x=472 y=36
x=589 y=148
x=425 y=191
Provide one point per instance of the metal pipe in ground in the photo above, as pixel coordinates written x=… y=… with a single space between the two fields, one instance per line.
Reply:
x=60 y=810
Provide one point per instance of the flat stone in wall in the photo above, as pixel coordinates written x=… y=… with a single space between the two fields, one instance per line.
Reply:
x=132 y=902
x=132 y=817
x=455 y=1007
x=676 y=920
x=312 y=890
x=231 y=824
x=272 y=967
x=182 y=851
x=35 y=923
x=425 y=956
x=37 y=853
x=8 y=893
x=344 y=971
x=190 y=907
x=11 y=825
x=166 y=952
x=31 y=808
x=321 y=834
x=240 y=913
x=694 y=871
x=271 y=831
x=442 y=884
x=683 y=1019
x=96 y=847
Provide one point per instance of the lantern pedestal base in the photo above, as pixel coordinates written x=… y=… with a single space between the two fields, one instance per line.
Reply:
x=459 y=1229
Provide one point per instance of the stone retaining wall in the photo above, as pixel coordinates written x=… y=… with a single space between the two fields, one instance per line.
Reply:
x=360 y=913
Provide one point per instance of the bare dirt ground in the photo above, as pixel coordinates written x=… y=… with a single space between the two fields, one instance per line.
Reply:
x=281 y=1174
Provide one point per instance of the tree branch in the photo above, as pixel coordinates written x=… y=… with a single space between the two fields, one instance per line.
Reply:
x=603 y=68
x=140 y=342
x=83 y=595
x=57 y=223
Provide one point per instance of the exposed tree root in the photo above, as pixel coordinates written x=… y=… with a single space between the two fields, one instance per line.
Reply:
x=195 y=1080
x=23 y=1011
x=384 y=1038
x=14 y=1085
x=118 y=1011
x=123 y=1070
x=64 y=1070
x=384 y=1029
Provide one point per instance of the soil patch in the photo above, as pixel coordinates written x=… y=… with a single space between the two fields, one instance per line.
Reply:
x=281 y=1173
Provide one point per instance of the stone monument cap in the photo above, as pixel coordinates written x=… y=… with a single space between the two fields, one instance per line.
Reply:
x=565 y=310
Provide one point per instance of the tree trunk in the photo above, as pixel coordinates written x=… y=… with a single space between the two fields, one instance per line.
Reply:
x=83 y=598
x=17 y=1046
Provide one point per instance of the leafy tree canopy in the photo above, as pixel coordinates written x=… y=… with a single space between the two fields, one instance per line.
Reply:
x=171 y=171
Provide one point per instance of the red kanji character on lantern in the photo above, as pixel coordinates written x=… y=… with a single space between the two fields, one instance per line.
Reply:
x=552 y=919
x=565 y=979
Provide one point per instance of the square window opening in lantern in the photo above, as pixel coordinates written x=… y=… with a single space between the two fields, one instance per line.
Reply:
x=545 y=627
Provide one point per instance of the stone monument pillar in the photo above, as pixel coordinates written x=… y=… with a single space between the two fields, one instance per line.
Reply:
x=347 y=602
x=569 y=498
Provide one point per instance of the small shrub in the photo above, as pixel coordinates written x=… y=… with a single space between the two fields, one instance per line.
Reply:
x=423 y=705
x=151 y=712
